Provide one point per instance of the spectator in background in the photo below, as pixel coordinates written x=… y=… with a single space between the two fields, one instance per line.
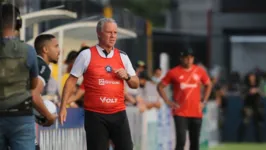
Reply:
x=84 y=45
x=188 y=103
x=68 y=64
x=234 y=82
x=51 y=91
x=263 y=85
x=140 y=67
x=139 y=97
x=133 y=96
x=157 y=73
x=218 y=95
x=150 y=100
x=253 y=108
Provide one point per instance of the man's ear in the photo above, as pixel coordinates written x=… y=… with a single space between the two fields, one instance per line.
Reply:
x=44 y=50
x=98 y=34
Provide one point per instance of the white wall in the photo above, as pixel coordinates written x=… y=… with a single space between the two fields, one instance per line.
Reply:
x=247 y=56
x=193 y=15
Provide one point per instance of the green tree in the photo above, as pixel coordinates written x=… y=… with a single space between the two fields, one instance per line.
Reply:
x=149 y=9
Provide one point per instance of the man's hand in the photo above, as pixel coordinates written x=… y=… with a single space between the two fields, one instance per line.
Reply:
x=67 y=92
x=157 y=104
x=62 y=115
x=253 y=90
x=50 y=120
x=142 y=107
x=172 y=104
x=121 y=73
x=202 y=105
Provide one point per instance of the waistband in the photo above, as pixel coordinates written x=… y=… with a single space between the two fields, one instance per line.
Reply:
x=22 y=109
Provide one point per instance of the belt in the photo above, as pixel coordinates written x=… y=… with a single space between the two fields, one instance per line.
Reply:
x=22 y=109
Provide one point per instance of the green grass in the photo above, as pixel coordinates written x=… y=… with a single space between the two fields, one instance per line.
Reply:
x=244 y=146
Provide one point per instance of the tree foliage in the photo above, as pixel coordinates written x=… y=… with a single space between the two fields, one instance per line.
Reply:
x=149 y=9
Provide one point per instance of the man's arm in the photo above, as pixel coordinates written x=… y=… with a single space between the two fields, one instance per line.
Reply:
x=34 y=83
x=67 y=92
x=68 y=89
x=129 y=98
x=207 y=92
x=160 y=88
x=162 y=93
x=207 y=86
x=133 y=82
x=77 y=96
x=33 y=67
x=39 y=105
x=79 y=67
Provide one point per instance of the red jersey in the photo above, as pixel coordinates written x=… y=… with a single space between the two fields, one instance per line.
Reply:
x=187 y=89
x=104 y=91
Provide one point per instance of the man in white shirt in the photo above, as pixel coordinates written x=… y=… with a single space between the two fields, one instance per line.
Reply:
x=104 y=70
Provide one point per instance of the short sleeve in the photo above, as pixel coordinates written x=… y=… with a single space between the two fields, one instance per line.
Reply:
x=127 y=64
x=32 y=62
x=44 y=73
x=167 y=79
x=81 y=63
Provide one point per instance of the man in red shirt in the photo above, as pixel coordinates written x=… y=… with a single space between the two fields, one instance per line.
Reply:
x=105 y=70
x=187 y=106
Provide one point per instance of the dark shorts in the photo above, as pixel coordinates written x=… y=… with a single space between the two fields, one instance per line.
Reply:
x=100 y=128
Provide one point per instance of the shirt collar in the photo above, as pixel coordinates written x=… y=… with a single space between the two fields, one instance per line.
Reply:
x=41 y=58
x=102 y=54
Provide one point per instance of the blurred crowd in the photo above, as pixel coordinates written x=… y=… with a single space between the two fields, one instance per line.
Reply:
x=251 y=88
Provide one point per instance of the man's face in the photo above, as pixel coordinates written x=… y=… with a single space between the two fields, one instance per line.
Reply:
x=108 y=34
x=142 y=82
x=158 y=72
x=53 y=50
x=187 y=61
x=141 y=68
x=252 y=77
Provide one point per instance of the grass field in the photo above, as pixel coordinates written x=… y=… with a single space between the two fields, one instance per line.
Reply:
x=244 y=146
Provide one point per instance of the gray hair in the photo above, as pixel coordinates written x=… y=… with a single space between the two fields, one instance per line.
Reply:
x=102 y=21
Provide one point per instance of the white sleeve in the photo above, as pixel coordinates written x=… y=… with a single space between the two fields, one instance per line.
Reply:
x=81 y=63
x=128 y=65
x=42 y=79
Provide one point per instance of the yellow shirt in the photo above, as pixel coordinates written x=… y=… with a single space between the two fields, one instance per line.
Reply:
x=63 y=81
x=54 y=71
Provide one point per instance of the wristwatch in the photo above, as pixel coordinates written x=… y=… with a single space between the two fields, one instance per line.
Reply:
x=128 y=77
x=204 y=102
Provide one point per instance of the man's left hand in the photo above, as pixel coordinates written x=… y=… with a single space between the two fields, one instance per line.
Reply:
x=202 y=105
x=121 y=73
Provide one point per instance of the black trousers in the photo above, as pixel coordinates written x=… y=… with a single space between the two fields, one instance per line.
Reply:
x=193 y=125
x=100 y=128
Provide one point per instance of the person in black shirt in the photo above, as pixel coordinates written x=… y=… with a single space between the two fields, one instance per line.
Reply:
x=252 y=108
x=218 y=95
